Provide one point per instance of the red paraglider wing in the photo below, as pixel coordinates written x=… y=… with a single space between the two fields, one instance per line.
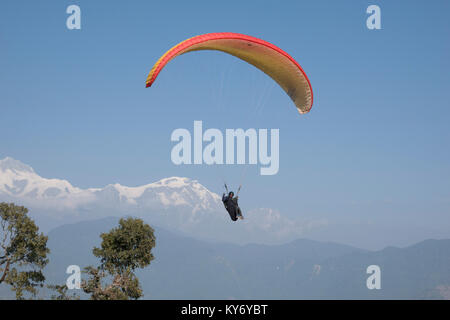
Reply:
x=265 y=56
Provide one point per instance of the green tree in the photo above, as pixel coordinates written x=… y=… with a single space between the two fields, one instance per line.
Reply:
x=62 y=293
x=122 y=250
x=23 y=251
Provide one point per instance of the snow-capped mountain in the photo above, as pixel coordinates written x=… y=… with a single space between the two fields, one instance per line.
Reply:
x=18 y=180
x=168 y=192
x=181 y=204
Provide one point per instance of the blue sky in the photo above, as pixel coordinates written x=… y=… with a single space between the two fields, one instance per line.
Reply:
x=74 y=105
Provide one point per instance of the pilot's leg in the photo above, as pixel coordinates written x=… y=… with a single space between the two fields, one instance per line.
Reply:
x=232 y=214
x=239 y=213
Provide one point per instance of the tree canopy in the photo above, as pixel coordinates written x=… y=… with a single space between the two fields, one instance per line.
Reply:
x=23 y=250
x=122 y=250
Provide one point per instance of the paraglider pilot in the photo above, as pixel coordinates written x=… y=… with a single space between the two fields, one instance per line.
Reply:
x=231 y=204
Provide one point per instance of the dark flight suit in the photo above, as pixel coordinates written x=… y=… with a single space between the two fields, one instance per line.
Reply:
x=231 y=204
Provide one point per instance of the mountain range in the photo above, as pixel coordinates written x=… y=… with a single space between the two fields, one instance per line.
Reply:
x=187 y=268
x=176 y=203
x=202 y=254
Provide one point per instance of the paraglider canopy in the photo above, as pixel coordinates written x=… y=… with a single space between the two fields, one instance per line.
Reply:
x=265 y=56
